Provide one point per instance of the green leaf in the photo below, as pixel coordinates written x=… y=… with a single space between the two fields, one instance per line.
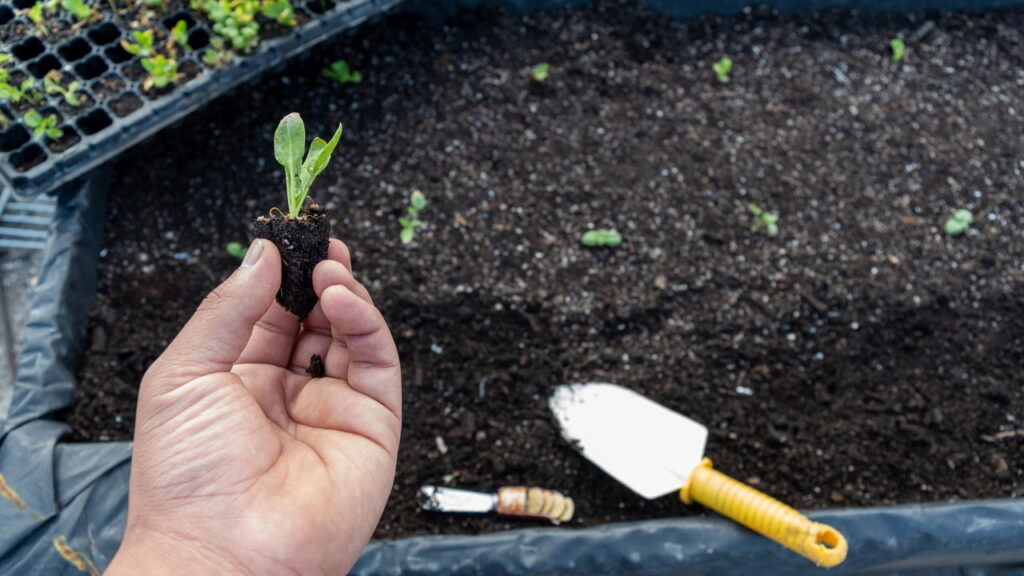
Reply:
x=236 y=249
x=290 y=142
x=601 y=238
x=899 y=49
x=722 y=69
x=418 y=200
x=754 y=209
x=540 y=72
x=33 y=119
x=406 y=235
x=959 y=223
x=325 y=154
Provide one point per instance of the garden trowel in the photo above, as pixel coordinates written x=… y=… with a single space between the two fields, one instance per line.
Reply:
x=655 y=451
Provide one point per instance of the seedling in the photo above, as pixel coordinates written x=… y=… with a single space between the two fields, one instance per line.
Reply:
x=179 y=35
x=163 y=71
x=217 y=55
x=280 y=11
x=233 y=20
x=959 y=223
x=78 y=9
x=43 y=126
x=899 y=49
x=51 y=85
x=236 y=249
x=342 y=74
x=143 y=45
x=417 y=202
x=606 y=238
x=37 y=16
x=16 y=93
x=722 y=69
x=540 y=72
x=302 y=235
x=289 y=145
x=768 y=220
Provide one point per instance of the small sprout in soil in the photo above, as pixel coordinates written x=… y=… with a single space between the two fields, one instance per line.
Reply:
x=43 y=127
x=163 y=71
x=280 y=11
x=217 y=55
x=722 y=69
x=179 y=35
x=601 y=238
x=540 y=72
x=289 y=145
x=417 y=202
x=899 y=49
x=80 y=10
x=51 y=84
x=143 y=45
x=342 y=74
x=768 y=220
x=236 y=249
x=959 y=223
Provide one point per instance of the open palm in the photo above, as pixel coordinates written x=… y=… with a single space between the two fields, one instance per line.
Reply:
x=242 y=458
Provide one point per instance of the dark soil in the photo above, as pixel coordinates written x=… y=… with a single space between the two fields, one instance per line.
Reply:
x=859 y=358
x=303 y=242
x=125 y=105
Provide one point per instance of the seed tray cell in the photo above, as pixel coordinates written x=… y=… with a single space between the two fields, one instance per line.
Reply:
x=117 y=111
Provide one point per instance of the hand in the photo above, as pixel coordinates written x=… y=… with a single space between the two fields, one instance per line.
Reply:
x=243 y=463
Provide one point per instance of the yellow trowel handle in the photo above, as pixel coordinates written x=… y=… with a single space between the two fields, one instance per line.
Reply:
x=820 y=543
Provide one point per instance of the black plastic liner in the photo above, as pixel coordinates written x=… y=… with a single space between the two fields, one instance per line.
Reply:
x=102 y=127
x=62 y=506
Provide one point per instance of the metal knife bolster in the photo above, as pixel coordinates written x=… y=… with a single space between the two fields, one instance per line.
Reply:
x=441 y=499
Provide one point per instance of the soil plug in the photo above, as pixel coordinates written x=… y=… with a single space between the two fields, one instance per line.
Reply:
x=303 y=234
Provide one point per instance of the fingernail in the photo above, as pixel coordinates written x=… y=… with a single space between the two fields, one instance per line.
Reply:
x=252 y=255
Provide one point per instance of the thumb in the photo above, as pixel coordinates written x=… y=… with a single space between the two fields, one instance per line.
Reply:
x=217 y=333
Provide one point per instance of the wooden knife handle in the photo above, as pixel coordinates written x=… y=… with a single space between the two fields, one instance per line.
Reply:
x=533 y=502
x=820 y=543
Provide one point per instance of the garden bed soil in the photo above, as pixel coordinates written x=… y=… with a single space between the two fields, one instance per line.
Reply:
x=859 y=358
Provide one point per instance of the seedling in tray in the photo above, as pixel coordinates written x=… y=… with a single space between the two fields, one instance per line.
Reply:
x=163 y=71
x=179 y=35
x=15 y=93
x=51 y=84
x=43 y=126
x=302 y=235
x=143 y=45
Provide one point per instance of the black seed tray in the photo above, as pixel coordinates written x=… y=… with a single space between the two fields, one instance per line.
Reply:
x=116 y=112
